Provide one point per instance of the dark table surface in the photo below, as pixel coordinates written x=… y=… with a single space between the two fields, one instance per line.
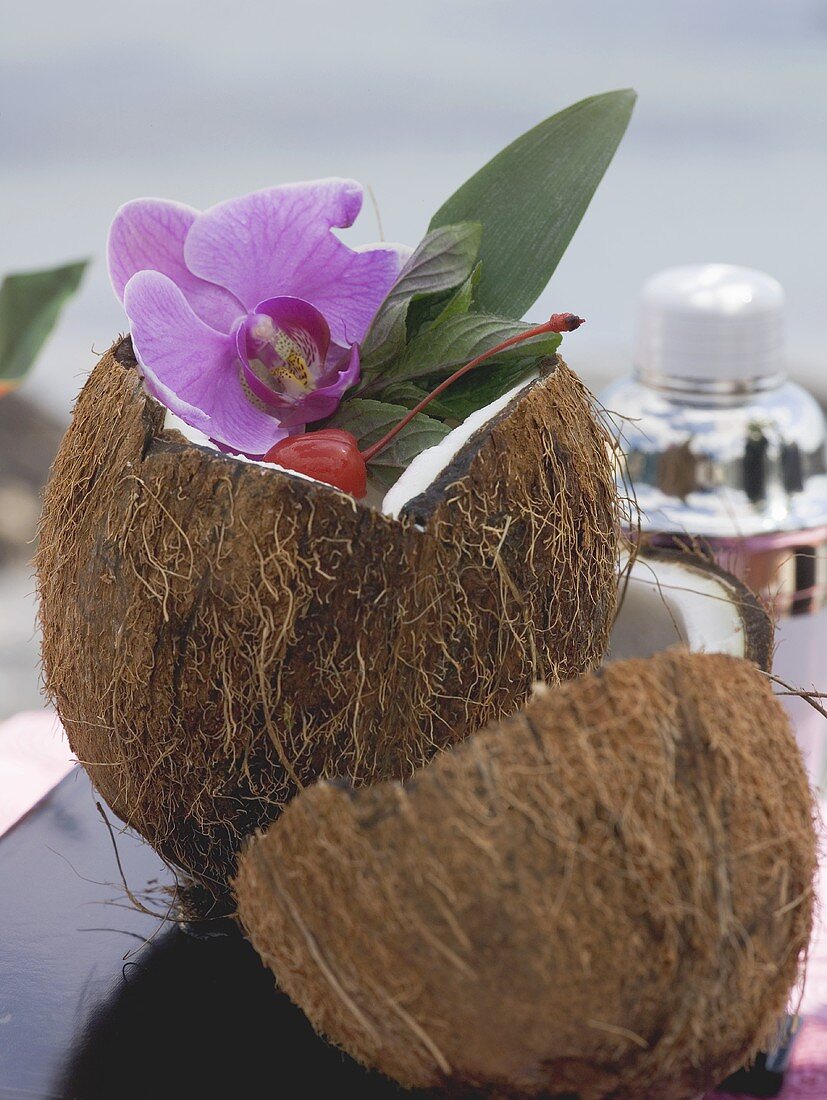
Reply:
x=100 y=1000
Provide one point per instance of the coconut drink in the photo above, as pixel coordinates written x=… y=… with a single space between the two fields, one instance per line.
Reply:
x=325 y=510
x=254 y=630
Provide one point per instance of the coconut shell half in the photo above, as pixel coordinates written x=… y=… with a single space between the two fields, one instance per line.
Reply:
x=604 y=896
x=679 y=597
x=217 y=635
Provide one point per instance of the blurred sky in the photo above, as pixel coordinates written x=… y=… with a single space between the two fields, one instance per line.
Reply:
x=726 y=158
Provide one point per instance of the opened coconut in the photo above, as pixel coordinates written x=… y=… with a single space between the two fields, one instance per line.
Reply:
x=604 y=895
x=680 y=597
x=218 y=634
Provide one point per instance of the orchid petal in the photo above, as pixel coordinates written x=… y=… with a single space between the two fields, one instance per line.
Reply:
x=278 y=242
x=192 y=368
x=192 y=416
x=240 y=427
x=348 y=375
x=149 y=235
x=403 y=252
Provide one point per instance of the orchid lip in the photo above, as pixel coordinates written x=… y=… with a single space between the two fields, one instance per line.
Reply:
x=283 y=351
x=258 y=389
x=282 y=346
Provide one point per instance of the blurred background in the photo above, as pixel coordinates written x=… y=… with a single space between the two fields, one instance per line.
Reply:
x=100 y=102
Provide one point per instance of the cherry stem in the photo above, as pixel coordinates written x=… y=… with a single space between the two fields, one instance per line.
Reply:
x=558 y=322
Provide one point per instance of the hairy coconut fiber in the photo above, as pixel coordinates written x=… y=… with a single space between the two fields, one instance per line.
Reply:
x=217 y=635
x=605 y=895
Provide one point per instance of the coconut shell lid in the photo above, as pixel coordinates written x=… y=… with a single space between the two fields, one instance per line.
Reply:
x=606 y=895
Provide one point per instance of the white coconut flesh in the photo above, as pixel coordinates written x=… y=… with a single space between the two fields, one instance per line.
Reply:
x=667 y=602
x=429 y=464
x=414 y=480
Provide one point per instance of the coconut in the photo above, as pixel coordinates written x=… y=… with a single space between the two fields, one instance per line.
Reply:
x=218 y=634
x=680 y=597
x=604 y=895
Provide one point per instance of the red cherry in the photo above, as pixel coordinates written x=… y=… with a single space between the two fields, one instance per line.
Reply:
x=330 y=455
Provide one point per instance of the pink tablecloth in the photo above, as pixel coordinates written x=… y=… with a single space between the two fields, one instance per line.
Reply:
x=34 y=756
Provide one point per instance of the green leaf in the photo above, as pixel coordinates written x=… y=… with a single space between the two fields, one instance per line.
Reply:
x=478 y=389
x=443 y=260
x=444 y=347
x=531 y=196
x=30 y=304
x=409 y=395
x=369 y=420
x=428 y=311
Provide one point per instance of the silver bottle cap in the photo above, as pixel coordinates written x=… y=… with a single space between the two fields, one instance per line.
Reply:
x=712 y=323
x=717 y=442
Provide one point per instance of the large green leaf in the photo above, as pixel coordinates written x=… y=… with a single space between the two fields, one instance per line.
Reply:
x=442 y=261
x=439 y=350
x=369 y=420
x=30 y=304
x=531 y=196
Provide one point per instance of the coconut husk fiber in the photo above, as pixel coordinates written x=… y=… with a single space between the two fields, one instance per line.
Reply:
x=217 y=636
x=605 y=895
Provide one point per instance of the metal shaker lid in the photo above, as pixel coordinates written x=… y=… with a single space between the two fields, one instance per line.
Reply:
x=717 y=441
x=714 y=322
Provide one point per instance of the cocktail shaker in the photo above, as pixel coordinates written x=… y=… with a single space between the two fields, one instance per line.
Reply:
x=722 y=449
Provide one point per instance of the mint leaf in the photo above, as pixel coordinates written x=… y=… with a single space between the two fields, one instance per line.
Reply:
x=531 y=196
x=439 y=350
x=442 y=261
x=409 y=395
x=30 y=304
x=369 y=420
x=476 y=390
x=428 y=311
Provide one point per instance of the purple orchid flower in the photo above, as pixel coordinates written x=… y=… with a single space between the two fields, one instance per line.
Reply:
x=246 y=319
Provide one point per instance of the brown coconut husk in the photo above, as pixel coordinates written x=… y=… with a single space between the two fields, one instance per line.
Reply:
x=605 y=895
x=217 y=636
